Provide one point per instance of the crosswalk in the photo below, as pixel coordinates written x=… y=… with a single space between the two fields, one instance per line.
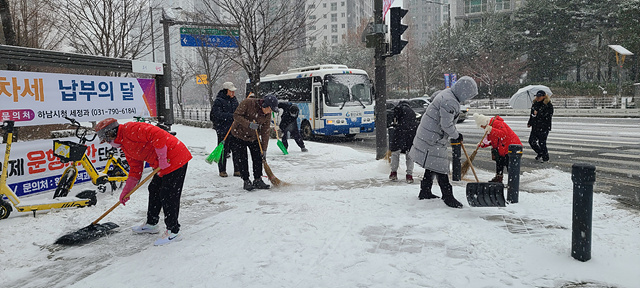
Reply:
x=612 y=145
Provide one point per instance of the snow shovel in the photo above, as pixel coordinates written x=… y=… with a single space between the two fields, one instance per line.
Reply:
x=95 y=230
x=274 y=180
x=484 y=194
x=280 y=144
x=217 y=153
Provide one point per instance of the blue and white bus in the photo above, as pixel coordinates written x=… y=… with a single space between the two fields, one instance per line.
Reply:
x=333 y=99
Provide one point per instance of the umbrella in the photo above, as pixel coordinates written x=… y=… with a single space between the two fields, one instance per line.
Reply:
x=524 y=97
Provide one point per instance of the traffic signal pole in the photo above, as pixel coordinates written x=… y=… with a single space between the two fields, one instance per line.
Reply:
x=381 y=84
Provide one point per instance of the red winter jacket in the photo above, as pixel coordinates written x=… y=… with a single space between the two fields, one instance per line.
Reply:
x=501 y=136
x=139 y=141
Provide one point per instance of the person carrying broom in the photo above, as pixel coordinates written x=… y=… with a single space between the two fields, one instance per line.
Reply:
x=222 y=117
x=498 y=136
x=252 y=118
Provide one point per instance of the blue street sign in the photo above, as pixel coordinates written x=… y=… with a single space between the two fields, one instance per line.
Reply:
x=220 y=41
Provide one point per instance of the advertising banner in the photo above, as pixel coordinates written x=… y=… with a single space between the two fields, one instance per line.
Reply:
x=33 y=168
x=446 y=81
x=32 y=98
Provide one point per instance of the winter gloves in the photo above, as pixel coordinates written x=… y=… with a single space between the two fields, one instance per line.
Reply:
x=162 y=157
x=459 y=139
x=128 y=186
x=254 y=126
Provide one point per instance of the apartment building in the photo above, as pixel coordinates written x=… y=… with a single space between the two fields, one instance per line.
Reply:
x=333 y=21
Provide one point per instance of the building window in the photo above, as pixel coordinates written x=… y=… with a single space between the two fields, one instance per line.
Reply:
x=334 y=39
x=343 y=26
x=343 y=15
x=342 y=4
x=312 y=6
x=334 y=17
x=312 y=27
x=324 y=27
x=334 y=6
x=324 y=5
x=334 y=28
x=312 y=38
x=503 y=5
x=475 y=6
x=324 y=16
x=312 y=17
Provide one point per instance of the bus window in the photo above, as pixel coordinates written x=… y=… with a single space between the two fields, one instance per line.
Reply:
x=347 y=89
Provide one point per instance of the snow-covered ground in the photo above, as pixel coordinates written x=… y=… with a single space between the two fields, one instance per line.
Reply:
x=340 y=223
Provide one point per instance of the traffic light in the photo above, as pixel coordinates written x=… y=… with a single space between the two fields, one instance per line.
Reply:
x=396 y=29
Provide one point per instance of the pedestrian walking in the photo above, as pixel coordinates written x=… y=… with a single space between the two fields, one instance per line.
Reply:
x=499 y=137
x=401 y=136
x=437 y=126
x=222 y=117
x=540 y=124
x=289 y=123
x=143 y=142
x=252 y=115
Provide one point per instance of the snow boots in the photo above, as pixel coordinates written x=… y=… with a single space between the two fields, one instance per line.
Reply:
x=259 y=184
x=497 y=179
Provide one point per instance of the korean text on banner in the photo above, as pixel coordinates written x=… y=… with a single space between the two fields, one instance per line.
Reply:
x=32 y=98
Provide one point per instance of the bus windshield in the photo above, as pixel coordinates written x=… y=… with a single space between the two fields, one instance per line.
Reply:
x=348 y=89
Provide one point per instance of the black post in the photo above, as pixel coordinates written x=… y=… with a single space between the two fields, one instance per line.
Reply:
x=456 y=174
x=380 y=85
x=583 y=177
x=168 y=117
x=515 y=155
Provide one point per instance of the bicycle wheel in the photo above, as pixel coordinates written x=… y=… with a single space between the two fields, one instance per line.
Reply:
x=5 y=209
x=65 y=183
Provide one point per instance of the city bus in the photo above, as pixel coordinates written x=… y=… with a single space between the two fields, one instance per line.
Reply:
x=333 y=99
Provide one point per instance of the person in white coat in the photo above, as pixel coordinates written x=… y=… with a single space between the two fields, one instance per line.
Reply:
x=438 y=125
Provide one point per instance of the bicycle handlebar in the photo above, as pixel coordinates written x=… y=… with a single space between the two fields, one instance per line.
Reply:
x=81 y=135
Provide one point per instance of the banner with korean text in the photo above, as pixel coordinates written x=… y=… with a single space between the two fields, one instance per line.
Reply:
x=32 y=98
x=33 y=168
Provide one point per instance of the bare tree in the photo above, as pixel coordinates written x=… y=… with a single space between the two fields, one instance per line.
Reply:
x=7 y=26
x=112 y=28
x=493 y=68
x=181 y=73
x=267 y=30
x=36 y=25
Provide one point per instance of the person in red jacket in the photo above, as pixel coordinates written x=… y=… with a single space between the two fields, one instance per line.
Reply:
x=499 y=137
x=143 y=142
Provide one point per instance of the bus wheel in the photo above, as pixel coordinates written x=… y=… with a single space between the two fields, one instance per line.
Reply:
x=350 y=136
x=305 y=130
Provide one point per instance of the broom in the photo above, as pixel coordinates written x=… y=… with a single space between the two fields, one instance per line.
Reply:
x=280 y=144
x=217 y=153
x=274 y=180
x=467 y=163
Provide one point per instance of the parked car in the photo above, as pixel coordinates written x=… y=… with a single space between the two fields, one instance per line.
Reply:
x=464 y=110
x=425 y=101
x=418 y=108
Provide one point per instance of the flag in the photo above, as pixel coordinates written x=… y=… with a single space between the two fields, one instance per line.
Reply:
x=386 y=5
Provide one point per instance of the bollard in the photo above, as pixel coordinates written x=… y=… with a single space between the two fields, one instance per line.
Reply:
x=455 y=160
x=583 y=177
x=513 y=182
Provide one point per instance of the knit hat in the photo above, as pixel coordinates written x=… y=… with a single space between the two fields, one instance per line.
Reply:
x=481 y=120
x=270 y=101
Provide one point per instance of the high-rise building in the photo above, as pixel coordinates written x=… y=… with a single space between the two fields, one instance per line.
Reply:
x=335 y=20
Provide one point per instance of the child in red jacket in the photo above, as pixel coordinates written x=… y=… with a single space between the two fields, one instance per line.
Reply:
x=144 y=142
x=499 y=137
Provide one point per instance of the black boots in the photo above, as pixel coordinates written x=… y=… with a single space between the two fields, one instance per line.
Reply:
x=425 y=188
x=247 y=185
x=259 y=184
x=424 y=194
x=447 y=197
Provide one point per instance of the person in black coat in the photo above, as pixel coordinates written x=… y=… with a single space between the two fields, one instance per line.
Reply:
x=401 y=135
x=222 y=117
x=540 y=124
x=289 y=123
